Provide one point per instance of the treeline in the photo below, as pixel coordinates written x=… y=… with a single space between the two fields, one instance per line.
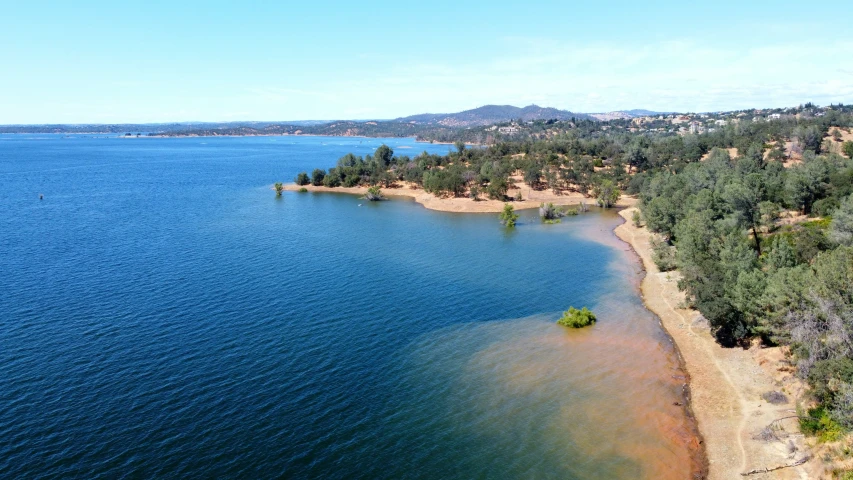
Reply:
x=751 y=274
x=479 y=172
x=581 y=159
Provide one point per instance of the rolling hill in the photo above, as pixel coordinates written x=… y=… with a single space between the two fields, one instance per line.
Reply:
x=491 y=114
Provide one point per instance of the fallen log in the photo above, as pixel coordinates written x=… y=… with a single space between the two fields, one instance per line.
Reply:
x=766 y=470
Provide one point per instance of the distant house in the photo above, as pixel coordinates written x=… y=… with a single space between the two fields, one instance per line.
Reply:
x=508 y=130
x=720 y=122
x=774 y=116
x=696 y=127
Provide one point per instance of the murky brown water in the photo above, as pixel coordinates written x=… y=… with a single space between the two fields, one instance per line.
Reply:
x=601 y=402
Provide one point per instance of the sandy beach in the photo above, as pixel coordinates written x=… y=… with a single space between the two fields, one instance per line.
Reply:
x=726 y=383
x=531 y=198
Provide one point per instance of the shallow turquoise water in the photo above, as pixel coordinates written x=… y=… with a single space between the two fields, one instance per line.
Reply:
x=163 y=314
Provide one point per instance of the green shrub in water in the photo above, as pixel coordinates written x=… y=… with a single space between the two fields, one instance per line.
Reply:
x=574 y=318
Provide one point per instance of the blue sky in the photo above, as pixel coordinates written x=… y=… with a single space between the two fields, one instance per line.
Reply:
x=109 y=62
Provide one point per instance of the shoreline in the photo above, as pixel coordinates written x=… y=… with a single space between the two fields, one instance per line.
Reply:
x=469 y=144
x=532 y=198
x=724 y=385
x=157 y=135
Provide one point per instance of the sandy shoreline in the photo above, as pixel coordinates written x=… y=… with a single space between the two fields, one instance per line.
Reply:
x=725 y=384
x=532 y=198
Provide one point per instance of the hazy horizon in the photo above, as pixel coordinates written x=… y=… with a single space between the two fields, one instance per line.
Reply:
x=368 y=119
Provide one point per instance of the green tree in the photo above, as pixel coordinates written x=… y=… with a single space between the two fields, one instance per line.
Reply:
x=383 y=155
x=317 y=177
x=533 y=175
x=497 y=188
x=606 y=193
x=460 y=147
x=810 y=137
x=508 y=216
x=663 y=254
x=745 y=196
x=279 y=187
x=636 y=157
x=841 y=228
x=801 y=189
x=661 y=214
x=302 y=179
x=847 y=148
x=333 y=179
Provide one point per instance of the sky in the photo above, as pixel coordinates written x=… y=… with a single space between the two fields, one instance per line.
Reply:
x=142 y=62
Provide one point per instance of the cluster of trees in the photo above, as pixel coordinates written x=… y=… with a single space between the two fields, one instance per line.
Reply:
x=485 y=172
x=751 y=275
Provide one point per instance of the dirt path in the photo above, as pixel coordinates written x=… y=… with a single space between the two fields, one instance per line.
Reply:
x=726 y=384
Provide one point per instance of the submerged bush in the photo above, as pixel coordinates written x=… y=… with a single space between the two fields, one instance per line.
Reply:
x=508 y=216
x=575 y=318
x=303 y=190
x=374 y=194
x=549 y=212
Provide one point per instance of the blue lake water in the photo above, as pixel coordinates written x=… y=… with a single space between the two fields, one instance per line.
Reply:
x=163 y=314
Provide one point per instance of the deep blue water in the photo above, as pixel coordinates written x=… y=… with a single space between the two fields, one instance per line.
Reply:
x=163 y=314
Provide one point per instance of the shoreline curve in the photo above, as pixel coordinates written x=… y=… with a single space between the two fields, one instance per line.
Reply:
x=725 y=384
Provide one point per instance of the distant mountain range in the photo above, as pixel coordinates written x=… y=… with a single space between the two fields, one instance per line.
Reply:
x=482 y=116
x=490 y=114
